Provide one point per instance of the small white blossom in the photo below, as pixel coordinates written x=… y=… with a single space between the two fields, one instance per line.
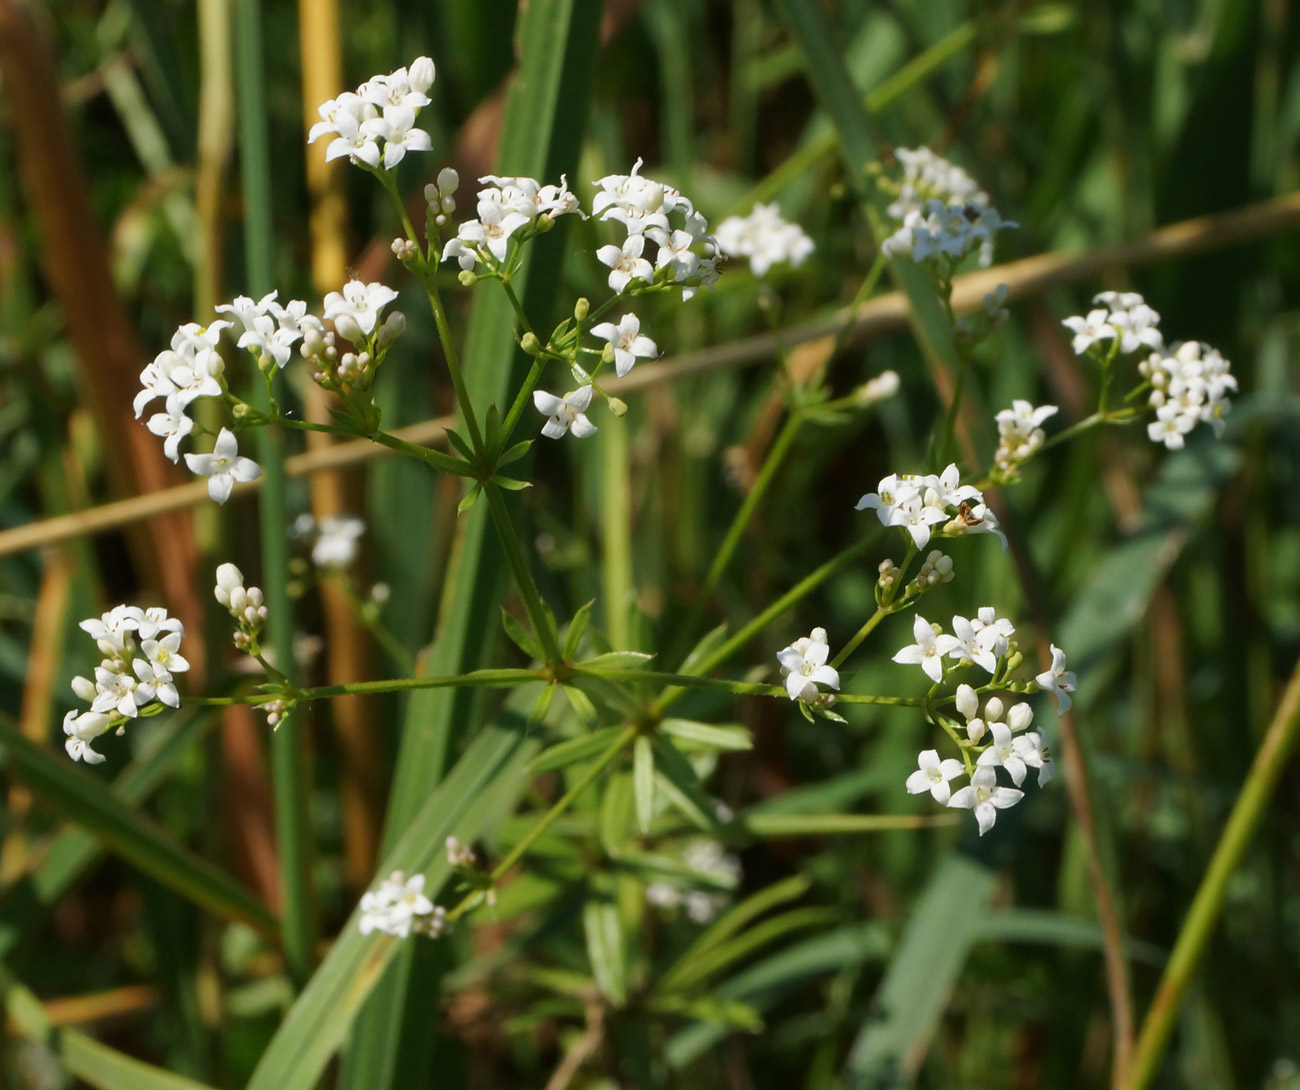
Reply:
x=985 y=797
x=1090 y=330
x=360 y=303
x=933 y=775
x=804 y=665
x=626 y=263
x=1020 y=433
x=1057 y=679
x=223 y=467
x=81 y=730
x=1031 y=750
x=399 y=906
x=567 y=413
x=1002 y=752
x=765 y=238
x=628 y=341
x=929 y=649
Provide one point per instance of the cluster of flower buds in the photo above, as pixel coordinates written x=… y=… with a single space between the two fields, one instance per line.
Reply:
x=399 y=907
x=441 y=199
x=355 y=313
x=1019 y=436
x=765 y=238
x=244 y=603
x=377 y=121
x=918 y=502
x=131 y=680
x=458 y=854
x=936 y=569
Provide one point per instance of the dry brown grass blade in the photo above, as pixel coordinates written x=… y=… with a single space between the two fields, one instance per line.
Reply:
x=347 y=645
x=75 y=262
x=875 y=318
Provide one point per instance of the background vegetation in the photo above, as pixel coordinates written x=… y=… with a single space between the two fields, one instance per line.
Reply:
x=140 y=899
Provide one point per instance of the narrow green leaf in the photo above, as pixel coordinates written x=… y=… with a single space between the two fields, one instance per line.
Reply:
x=582 y=706
x=510 y=484
x=574 y=750
x=732 y=921
x=700 y=968
x=520 y=636
x=97 y=1065
x=617 y=660
x=709 y=643
x=458 y=441
x=728 y=738
x=79 y=796
x=514 y=453
x=643 y=781
x=470 y=498
x=577 y=629
x=678 y=780
x=605 y=949
x=727 y=1013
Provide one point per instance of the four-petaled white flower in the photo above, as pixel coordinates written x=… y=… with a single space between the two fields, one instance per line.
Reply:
x=628 y=341
x=223 y=467
x=804 y=663
x=928 y=651
x=985 y=797
x=1089 y=330
x=1002 y=751
x=399 y=906
x=933 y=775
x=1057 y=679
x=567 y=413
x=361 y=303
x=626 y=263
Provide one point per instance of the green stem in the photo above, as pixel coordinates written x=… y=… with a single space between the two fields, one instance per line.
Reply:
x=493 y=679
x=739 y=688
x=532 y=597
x=549 y=818
x=289 y=768
x=861 y=634
x=435 y=458
x=1247 y=812
x=774 y=825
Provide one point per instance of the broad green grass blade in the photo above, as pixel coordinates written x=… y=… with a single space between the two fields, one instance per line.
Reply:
x=541 y=134
x=460 y=806
x=1057 y=929
x=97 y=1065
x=78 y=796
x=920 y=977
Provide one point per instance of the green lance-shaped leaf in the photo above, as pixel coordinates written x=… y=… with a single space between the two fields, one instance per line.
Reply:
x=574 y=750
x=707 y=736
x=606 y=949
x=679 y=782
x=643 y=781
x=79 y=796
x=521 y=637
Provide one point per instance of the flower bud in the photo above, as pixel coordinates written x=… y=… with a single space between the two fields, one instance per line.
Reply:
x=530 y=344
x=346 y=327
x=582 y=308
x=967 y=702
x=1020 y=716
x=228 y=578
x=993 y=710
x=394 y=326
x=240 y=410
x=467 y=278
x=448 y=181
x=420 y=75
x=84 y=688
x=617 y=406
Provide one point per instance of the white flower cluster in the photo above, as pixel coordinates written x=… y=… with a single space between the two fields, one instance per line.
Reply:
x=129 y=677
x=765 y=238
x=508 y=207
x=333 y=540
x=378 y=119
x=983 y=639
x=1123 y=315
x=1189 y=382
x=919 y=502
x=706 y=857
x=685 y=254
x=1010 y=746
x=1019 y=434
x=941 y=211
x=244 y=603
x=399 y=907
x=355 y=312
x=1189 y=385
x=803 y=665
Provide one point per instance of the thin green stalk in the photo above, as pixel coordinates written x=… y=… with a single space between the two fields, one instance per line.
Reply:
x=504 y=678
x=775 y=825
x=1246 y=815
x=616 y=529
x=738 y=688
x=549 y=818
x=289 y=769
x=861 y=634
x=532 y=597
x=435 y=458
x=775 y=456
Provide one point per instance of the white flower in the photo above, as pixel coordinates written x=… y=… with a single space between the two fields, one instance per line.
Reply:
x=765 y=238
x=916 y=516
x=397 y=130
x=81 y=730
x=112 y=631
x=1020 y=433
x=804 y=664
x=891 y=491
x=172 y=425
x=968 y=645
x=396 y=906
x=928 y=650
x=933 y=775
x=1002 y=751
x=628 y=341
x=1090 y=330
x=223 y=467
x=976 y=520
x=626 y=263
x=1031 y=750
x=119 y=692
x=359 y=302
x=336 y=541
x=566 y=414
x=985 y=797
x=1057 y=679
x=353 y=141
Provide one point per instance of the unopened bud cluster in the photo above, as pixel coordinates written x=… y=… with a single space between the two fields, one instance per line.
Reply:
x=244 y=603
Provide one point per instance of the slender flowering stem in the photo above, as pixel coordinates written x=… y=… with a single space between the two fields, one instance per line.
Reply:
x=490 y=679
x=862 y=633
x=739 y=688
x=435 y=458
x=584 y=781
x=523 y=576
x=1247 y=812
